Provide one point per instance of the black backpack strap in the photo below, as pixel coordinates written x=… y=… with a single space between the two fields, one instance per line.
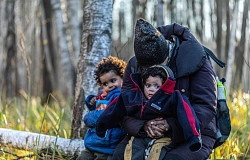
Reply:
x=219 y=62
x=211 y=54
x=223 y=122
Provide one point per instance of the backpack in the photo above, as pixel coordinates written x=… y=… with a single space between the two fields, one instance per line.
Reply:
x=223 y=122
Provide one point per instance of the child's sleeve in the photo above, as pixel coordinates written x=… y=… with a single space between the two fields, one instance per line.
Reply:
x=87 y=102
x=91 y=117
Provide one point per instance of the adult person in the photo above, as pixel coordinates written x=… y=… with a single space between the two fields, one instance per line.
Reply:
x=194 y=77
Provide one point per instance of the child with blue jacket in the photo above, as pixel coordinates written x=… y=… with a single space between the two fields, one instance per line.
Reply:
x=108 y=75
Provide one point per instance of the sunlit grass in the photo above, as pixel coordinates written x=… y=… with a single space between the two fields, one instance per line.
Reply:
x=238 y=143
x=52 y=117
x=40 y=118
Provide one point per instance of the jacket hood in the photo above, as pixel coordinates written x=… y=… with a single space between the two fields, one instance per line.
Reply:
x=191 y=55
x=167 y=87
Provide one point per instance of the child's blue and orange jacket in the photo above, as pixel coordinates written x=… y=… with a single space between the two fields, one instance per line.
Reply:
x=166 y=102
x=112 y=138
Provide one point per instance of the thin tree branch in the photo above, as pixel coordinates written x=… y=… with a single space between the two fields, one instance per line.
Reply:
x=247 y=63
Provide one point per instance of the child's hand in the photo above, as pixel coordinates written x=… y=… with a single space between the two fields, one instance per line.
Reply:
x=92 y=101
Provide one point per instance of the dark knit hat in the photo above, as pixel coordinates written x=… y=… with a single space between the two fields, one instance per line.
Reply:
x=150 y=46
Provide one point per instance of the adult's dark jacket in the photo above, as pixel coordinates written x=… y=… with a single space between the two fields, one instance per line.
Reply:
x=194 y=76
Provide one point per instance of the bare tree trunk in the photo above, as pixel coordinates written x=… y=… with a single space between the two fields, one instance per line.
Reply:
x=139 y=8
x=96 y=44
x=122 y=40
x=3 y=37
x=201 y=29
x=135 y=5
x=62 y=44
x=219 y=27
x=74 y=29
x=10 y=45
x=160 y=12
x=28 y=55
x=246 y=69
x=121 y=23
x=230 y=59
x=228 y=21
x=211 y=18
x=143 y=4
x=194 y=13
x=34 y=47
x=240 y=50
x=49 y=70
x=188 y=14
x=22 y=68
x=40 y=143
x=172 y=10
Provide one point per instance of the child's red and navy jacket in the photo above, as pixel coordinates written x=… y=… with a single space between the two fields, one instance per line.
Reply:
x=166 y=102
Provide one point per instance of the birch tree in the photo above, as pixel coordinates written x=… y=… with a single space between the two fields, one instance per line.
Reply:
x=46 y=51
x=40 y=143
x=22 y=68
x=34 y=51
x=3 y=36
x=67 y=69
x=227 y=37
x=160 y=13
x=219 y=13
x=28 y=55
x=74 y=28
x=240 y=50
x=95 y=44
x=231 y=56
x=10 y=50
x=188 y=13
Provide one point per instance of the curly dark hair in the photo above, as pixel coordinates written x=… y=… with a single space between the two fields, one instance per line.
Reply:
x=154 y=71
x=109 y=64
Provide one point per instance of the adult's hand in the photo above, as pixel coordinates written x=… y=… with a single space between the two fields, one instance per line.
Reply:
x=156 y=128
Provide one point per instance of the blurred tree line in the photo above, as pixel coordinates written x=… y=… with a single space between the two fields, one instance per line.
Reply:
x=41 y=40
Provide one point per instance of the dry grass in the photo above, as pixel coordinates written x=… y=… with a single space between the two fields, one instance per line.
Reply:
x=237 y=145
x=30 y=114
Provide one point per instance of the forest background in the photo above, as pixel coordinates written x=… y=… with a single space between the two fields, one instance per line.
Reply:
x=44 y=63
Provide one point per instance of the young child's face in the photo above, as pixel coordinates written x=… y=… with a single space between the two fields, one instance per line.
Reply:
x=151 y=85
x=110 y=81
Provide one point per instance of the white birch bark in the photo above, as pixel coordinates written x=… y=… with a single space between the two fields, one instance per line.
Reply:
x=74 y=29
x=28 y=39
x=95 y=44
x=62 y=47
x=230 y=59
x=36 y=50
x=96 y=40
x=37 y=142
